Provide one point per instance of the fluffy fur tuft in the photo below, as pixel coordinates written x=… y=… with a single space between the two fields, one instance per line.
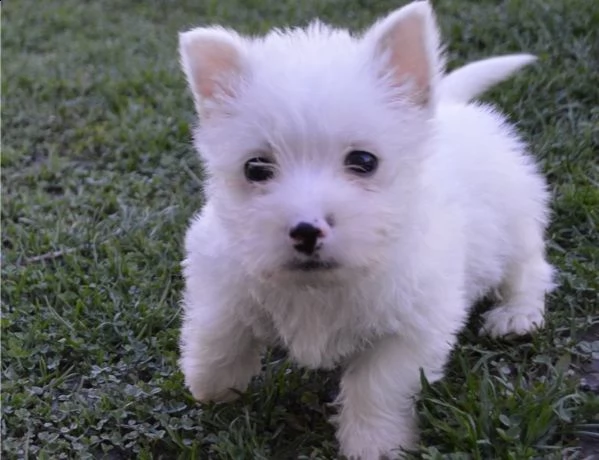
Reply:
x=472 y=80
x=373 y=268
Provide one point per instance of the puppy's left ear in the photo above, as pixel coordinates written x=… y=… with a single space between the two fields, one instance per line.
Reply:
x=408 y=41
x=213 y=61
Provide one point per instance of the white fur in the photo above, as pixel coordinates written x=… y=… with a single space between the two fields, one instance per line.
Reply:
x=469 y=82
x=457 y=208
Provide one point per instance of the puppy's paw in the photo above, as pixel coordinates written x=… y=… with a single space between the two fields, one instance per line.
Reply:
x=217 y=383
x=222 y=396
x=370 y=450
x=383 y=439
x=510 y=320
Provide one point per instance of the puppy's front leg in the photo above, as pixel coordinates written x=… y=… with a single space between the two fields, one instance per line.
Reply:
x=377 y=416
x=219 y=354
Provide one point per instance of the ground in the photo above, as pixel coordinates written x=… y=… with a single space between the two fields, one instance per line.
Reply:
x=99 y=180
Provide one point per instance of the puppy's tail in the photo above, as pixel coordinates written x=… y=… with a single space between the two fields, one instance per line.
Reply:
x=469 y=82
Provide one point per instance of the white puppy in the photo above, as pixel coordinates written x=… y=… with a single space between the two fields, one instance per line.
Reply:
x=357 y=206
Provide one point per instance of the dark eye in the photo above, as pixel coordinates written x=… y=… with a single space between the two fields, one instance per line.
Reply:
x=361 y=162
x=258 y=169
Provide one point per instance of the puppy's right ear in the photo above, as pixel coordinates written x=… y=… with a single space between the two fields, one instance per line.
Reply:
x=409 y=40
x=212 y=59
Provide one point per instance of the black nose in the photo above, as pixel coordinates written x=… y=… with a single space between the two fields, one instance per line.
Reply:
x=306 y=236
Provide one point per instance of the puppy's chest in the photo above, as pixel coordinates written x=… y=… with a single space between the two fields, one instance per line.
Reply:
x=321 y=329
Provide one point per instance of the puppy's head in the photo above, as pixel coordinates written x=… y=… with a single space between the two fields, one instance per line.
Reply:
x=313 y=138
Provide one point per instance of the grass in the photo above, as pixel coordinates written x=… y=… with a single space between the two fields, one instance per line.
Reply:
x=99 y=180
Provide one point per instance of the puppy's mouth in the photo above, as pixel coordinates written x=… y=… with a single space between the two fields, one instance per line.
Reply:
x=312 y=265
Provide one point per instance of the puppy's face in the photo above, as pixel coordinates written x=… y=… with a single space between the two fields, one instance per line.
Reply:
x=313 y=141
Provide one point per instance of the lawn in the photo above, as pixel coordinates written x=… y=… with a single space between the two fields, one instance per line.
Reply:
x=99 y=180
